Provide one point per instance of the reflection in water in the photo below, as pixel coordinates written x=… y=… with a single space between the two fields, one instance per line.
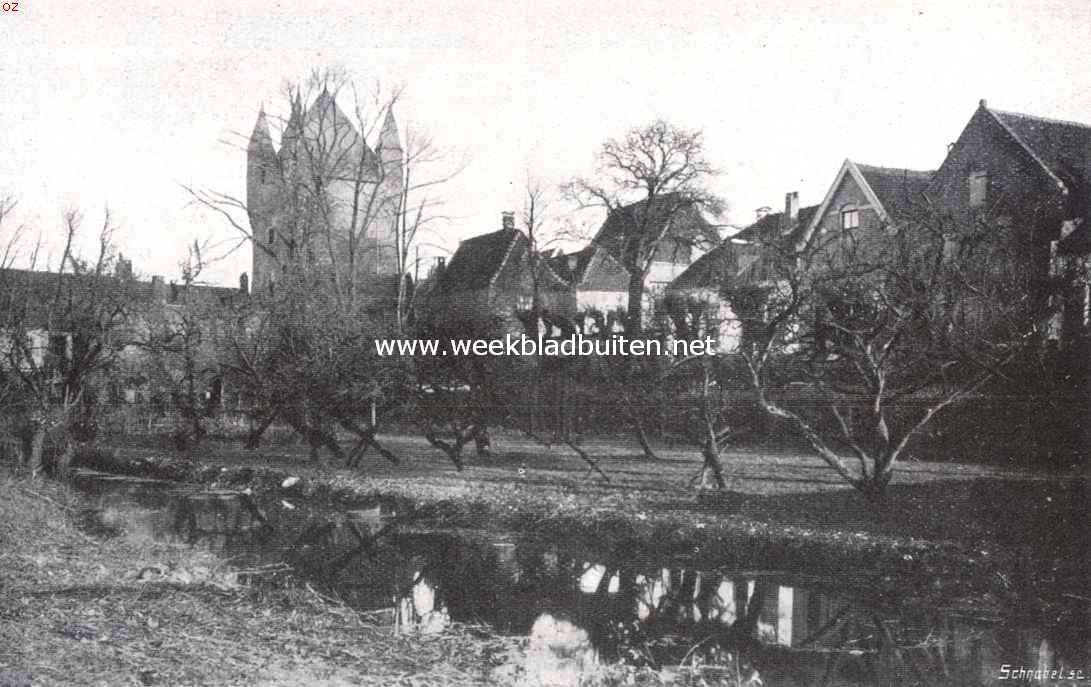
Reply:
x=579 y=610
x=420 y=609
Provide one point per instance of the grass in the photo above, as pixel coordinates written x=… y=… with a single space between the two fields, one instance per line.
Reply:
x=78 y=610
x=974 y=524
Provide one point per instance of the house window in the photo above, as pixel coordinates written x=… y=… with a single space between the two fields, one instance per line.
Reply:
x=979 y=186
x=58 y=348
x=950 y=247
x=850 y=217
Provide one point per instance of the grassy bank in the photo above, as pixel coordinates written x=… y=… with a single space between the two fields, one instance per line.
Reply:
x=79 y=610
x=957 y=528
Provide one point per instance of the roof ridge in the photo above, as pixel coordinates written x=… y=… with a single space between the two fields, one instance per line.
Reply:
x=899 y=170
x=1048 y=120
x=1022 y=144
x=515 y=234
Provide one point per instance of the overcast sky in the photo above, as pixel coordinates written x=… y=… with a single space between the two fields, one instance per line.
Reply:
x=123 y=101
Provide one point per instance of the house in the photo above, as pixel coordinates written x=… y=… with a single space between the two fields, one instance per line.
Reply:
x=695 y=300
x=488 y=286
x=864 y=205
x=675 y=225
x=62 y=315
x=1029 y=176
x=598 y=284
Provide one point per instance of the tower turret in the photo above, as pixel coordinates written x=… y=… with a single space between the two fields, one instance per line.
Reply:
x=262 y=194
x=292 y=131
x=391 y=158
x=261 y=159
x=390 y=145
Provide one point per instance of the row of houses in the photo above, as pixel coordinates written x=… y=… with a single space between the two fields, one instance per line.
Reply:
x=1029 y=174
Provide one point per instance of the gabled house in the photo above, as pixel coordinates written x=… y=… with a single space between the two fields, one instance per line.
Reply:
x=864 y=205
x=680 y=232
x=597 y=280
x=488 y=286
x=1031 y=178
x=695 y=300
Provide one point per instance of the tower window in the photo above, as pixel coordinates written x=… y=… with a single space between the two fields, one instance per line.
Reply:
x=850 y=217
x=272 y=235
x=979 y=186
x=263 y=175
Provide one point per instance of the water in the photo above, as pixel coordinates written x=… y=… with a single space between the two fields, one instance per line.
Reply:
x=580 y=609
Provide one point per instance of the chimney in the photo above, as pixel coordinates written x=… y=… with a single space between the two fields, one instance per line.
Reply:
x=791 y=212
x=763 y=212
x=507 y=220
x=244 y=282
x=159 y=290
x=124 y=268
x=173 y=292
x=437 y=267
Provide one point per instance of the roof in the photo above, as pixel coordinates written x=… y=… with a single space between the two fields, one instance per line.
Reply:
x=899 y=190
x=590 y=267
x=1078 y=242
x=1063 y=148
x=680 y=238
x=479 y=259
x=710 y=269
x=891 y=191
x=571 y=266
x=39 y=287
x=769 y=227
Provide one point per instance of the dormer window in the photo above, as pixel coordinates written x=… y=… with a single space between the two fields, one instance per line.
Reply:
x=850 y=217
x=979 y=186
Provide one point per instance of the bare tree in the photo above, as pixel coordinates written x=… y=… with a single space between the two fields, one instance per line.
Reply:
x=649 y=182
x=61 y=330
x=425 y=169
x=860 y=344
x=179 y=342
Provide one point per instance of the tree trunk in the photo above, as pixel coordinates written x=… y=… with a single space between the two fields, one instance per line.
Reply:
x=64 y=460
x=713 y=469
x=634 y=312
x=642 y=438
x=35 y=460
x=253 y=440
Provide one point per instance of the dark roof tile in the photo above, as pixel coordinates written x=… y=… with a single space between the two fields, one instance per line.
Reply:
x=899 y=190
x=479 y=259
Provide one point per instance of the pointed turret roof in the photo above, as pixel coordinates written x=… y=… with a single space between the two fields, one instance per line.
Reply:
x=260 y=140
x=388 y=137
x=293 y=128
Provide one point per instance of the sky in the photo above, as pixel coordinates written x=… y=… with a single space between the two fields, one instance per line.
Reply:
x=121 y=103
